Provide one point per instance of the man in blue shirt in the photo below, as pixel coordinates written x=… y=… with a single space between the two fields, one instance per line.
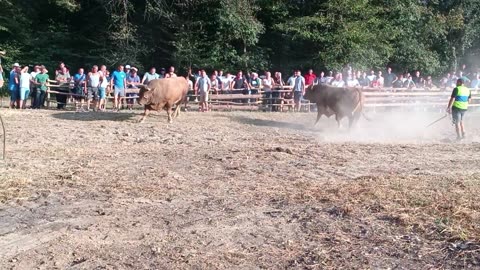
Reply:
x=13 y=85
x=118 y=81
x=298 y=90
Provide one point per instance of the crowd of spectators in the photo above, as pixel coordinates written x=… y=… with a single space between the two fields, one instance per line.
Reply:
x=90 y=88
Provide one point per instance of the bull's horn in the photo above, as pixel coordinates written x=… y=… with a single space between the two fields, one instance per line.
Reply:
x=146 y=88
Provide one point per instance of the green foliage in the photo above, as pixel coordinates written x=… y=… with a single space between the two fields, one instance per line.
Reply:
x=433 y=36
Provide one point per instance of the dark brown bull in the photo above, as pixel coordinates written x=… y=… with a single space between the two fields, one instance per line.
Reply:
x=163 y=94
x=343 y=102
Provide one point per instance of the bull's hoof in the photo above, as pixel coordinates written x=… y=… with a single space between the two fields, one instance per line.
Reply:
x=141 y=121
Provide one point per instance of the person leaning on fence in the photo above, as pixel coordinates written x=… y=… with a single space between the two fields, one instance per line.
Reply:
x=133 y=80
x=150 y=75
x=63 y=79
x=118 y=81
x=79 y=89
x=33 y=89
x=93 y=84
x=458 y=105
x=203 y=85
x=268 y=83
x=41 y=81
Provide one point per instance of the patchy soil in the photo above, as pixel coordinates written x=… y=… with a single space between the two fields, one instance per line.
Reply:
x=237 y=190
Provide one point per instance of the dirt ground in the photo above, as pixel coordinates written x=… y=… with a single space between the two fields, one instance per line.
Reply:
x=238 y=190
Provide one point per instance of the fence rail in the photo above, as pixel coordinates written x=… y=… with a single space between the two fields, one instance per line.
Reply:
x=280 y=98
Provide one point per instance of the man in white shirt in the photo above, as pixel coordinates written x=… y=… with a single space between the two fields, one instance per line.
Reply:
x=338 y=82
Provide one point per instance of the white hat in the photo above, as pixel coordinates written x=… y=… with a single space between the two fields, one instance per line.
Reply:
x=134 y=68
x=127 y=66
x=16 y=65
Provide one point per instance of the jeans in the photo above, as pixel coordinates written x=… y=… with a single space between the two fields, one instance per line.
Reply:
x=39 y=98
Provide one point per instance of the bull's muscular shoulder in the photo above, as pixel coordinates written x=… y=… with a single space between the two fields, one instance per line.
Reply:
x=176 y=82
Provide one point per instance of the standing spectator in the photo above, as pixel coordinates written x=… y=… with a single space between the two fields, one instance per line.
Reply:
x=162 y=74
x=13 y=86
x=363 y=80
x=338 y=82
x=80 y=89
x=133 y=80
x=2 y=81
x=102 y=90
x=457 y=107
x=371 y=78
x=127 y=69
x=429 y=83
x=291 y=79
x=220 y=75
x=41 y=82
x=475 y=84
x=151 y=75
x=310 y=77
x=254 y=83
x=398 y=82
x=226 y=83
x=409 y=83
x=380 y=80
x=118 y=81
x=320 y=79
x=239 y=83
x=463 y=76
x=24 y=87
x=171 y=73
x=33 y=74
x=389 y=78
x=352 y=81
x=203 y=87
x=93 y=84
x=63 y=79
x=329 y=78
x=417 y=79
x=62 y=68
x=298 y=90
x=267 y=88
x=215 y=86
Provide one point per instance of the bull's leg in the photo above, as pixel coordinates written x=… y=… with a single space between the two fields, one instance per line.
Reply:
x=145 y=113
x=170 y=113
x=338 y=117
x=177 y=109
x=319 y=115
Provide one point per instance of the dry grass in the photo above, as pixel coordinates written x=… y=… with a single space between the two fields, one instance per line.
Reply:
x=232 y=191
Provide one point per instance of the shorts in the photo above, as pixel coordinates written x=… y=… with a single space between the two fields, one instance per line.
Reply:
x=203 y=96
x=119 y=92
x=92 y=93
x=297 y=96
x=14 y=93
x=102 y=93
x=457 y=115
x=24 y=93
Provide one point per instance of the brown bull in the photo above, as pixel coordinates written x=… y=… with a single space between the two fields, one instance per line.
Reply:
x=163 y=94
x=343 y=102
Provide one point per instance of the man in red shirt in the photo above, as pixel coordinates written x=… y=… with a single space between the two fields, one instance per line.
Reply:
x=310 y=77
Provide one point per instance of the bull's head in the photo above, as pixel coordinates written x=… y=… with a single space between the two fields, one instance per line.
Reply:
x=145 y=95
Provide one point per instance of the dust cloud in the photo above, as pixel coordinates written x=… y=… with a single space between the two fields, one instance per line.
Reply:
x=400 y=127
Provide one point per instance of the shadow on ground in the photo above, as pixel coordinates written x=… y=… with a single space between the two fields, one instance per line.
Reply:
x=96 y=116
x=272 y=123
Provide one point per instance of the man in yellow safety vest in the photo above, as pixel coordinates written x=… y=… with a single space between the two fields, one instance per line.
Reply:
x=458 y=105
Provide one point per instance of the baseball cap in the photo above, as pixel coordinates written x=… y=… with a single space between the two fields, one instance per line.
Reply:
x=127 y=66
x=16 y=65
x=162 y=69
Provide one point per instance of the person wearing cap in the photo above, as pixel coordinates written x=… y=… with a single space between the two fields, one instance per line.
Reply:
x=133 y=80
x=149 y=76
x=13 y=84
x=162 y=74
x=127 y=69
x=458 y=105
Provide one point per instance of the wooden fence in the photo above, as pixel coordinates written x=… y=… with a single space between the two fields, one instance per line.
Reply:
x=280 y=98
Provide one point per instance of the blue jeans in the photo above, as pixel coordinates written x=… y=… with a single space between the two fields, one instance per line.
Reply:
x=39 y=98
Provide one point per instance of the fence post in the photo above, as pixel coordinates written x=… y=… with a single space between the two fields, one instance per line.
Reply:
x=48 y=98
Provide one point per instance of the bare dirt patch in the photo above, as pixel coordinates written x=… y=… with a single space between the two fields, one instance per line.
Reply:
x=237 y=190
